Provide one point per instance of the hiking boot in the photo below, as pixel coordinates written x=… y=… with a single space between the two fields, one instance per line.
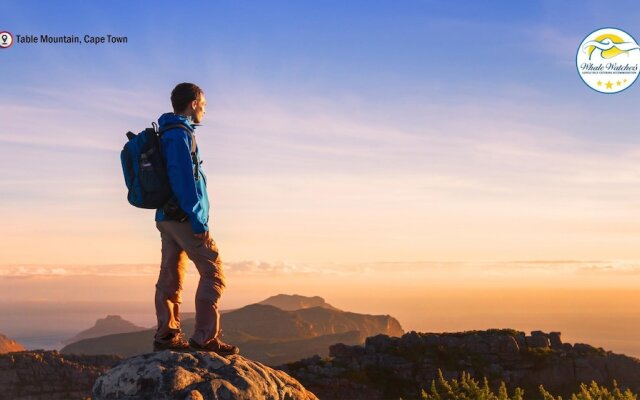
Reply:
x=173 y=341
x=215 y=345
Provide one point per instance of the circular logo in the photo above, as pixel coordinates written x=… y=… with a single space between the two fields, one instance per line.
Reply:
x=6 y=40
x=608 y=60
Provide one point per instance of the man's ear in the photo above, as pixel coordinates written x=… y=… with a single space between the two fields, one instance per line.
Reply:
x=194 y=104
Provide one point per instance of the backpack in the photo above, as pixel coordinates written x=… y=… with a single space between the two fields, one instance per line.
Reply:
x=144 y=169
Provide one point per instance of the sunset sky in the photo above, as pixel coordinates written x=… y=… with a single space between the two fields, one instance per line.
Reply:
x=336 y=133
x=440 y=162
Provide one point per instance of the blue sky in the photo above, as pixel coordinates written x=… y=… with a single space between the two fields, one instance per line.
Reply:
x=336 y=131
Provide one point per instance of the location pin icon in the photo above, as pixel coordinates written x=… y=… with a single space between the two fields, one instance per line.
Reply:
x=4 y=39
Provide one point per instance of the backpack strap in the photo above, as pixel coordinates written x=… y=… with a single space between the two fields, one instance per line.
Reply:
x=194 y=156
x=181 y=126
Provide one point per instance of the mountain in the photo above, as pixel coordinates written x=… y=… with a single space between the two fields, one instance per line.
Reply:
x=8 y=345
x=268 y=322
x=326 y=321
x=263 y=332
x=296 y=302
x=393 y=367
x=106 y=326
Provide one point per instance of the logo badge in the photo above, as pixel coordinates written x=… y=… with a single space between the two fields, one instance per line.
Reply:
x=6 y=40
x=608 y=60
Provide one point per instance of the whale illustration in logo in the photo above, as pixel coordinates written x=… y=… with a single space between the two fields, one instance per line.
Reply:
x=608 y=46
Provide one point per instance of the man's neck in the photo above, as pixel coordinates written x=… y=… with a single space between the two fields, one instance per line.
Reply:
x=187 y=116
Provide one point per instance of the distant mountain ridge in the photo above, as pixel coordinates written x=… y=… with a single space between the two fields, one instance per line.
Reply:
x=109 y=325
x=8 y=345
x=264 y=332
x=295 y=302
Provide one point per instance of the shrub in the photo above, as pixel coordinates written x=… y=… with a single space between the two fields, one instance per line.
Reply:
x=467 y=388
x=594 y=392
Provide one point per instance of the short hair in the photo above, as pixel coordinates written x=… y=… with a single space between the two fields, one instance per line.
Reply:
x=183 y=94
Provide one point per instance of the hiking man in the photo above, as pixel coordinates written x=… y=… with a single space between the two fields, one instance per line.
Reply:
x=184 y=231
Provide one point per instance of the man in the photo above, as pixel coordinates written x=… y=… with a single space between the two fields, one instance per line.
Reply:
x=184 y=231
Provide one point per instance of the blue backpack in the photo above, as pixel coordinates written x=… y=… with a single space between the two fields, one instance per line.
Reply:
x=144 y=169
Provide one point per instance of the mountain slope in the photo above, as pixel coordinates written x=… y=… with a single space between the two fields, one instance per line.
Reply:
x=327 y=321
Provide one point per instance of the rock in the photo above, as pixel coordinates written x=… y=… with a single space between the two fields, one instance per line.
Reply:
x=49 y=375
x=401 y=367
x=591 y=369
x=538 y=339
x=554 y=340
x=476 y=344
x=379 y=343
x=505 y=347
x=521 y=339
x=197 y=375
x=585 y=349
x=341 y=350
x=411 y=340
x=624 y=369
x=194 y=395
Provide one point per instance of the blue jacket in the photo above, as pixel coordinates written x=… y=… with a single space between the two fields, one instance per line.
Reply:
x=175 y=146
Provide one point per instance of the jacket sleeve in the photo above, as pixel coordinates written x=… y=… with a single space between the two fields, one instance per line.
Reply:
x=183 y=185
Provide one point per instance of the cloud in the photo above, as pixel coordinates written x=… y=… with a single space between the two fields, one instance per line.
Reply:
x=56 y=271
x=620 y=269
x=267 y=268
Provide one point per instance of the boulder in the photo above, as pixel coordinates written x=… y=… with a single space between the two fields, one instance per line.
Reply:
x=555 y=341
x=175 y=375
x=505 y=347
x=538 y=339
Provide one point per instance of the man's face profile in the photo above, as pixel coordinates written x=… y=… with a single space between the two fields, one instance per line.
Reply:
x=199 y=108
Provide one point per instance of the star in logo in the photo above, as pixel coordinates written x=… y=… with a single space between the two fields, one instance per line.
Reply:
x=609 y=85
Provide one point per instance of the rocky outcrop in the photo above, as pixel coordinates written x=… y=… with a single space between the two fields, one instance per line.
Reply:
x=8 y=345
x=112 y=324
x=197 y=375
x=49 y=375
x=391 y=367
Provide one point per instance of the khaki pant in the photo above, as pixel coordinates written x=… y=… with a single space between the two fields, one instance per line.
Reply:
x=178 y=244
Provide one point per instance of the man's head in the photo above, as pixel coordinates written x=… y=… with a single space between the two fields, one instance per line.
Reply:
x=188 y=99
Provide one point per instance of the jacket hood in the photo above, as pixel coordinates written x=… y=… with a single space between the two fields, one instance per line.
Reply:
x=172 y=119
